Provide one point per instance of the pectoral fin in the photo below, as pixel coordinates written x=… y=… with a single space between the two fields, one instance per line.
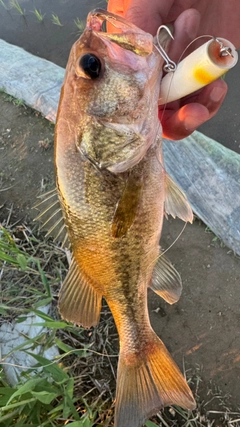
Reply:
x=176 y=203
x=126 y=208
x=79 y=302
x=166 y=281
x=51 y=217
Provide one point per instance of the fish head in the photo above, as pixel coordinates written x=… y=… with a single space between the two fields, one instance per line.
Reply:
x=110 y=92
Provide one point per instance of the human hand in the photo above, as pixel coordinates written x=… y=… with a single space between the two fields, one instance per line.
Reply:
x=180 y=118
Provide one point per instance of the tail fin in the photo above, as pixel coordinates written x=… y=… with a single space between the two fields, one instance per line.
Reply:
x=148 y=382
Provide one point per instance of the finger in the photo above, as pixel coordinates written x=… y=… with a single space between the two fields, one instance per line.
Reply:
x=185 y=30
x=210 y=96
x=181 y=123
x=177 y=125
x=118 y=6
x=114 y=6
x=148 y=14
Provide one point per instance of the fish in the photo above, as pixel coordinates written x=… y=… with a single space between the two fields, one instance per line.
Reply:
x=114 y=192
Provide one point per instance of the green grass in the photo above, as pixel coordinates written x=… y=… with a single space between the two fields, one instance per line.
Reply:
x=215 y=238
x=79 y=24
x=14 y=4
x=41 y=400
x=3 y=4
x=38 y=15
x=10 y=98
x=56 y=20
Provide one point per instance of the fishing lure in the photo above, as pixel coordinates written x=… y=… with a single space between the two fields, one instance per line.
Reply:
x=204 y=65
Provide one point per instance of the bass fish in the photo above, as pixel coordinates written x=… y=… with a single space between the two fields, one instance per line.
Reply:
x=114 y=193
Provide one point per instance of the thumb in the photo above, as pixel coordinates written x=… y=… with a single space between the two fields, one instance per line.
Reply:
x=145 y=14
x=118 y=6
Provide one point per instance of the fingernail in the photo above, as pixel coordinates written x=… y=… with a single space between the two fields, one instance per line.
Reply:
x=217 y=94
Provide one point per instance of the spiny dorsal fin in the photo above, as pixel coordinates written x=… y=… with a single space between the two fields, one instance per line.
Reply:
x=176 y=203
x=166 y=281
x=127 y=207
x=51 y=217
x=78 y=301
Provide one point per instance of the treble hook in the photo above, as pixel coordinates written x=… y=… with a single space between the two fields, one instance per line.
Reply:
x=170 y=65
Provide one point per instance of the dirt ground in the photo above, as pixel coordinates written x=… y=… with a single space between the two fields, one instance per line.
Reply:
x=203 y=329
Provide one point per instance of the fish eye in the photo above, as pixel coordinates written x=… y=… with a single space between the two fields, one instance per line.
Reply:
x=90 y=64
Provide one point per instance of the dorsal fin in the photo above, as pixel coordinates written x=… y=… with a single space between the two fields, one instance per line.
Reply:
x=51 y=217
x=176 y=203
x=166 y=281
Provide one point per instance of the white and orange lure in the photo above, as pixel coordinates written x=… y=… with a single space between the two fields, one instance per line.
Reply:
x=204 y=65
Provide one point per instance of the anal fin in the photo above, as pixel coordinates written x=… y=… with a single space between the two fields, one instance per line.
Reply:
x=78 y=301
x=166 y=281
x=176 y=203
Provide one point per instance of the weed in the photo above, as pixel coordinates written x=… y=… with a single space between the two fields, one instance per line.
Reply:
x=14 y=4
x=15 y=101
x=215 y=239
x=79 y=24
x=44 y=399
x=56 y=20
x=38 y=15
x=6 y=97
x=19 y=102
x=3 y=4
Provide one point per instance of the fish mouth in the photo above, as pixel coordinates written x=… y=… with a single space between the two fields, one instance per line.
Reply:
x=119 y=31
